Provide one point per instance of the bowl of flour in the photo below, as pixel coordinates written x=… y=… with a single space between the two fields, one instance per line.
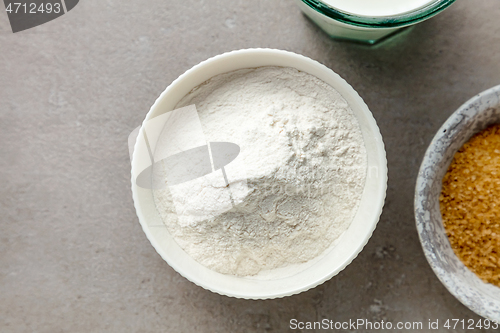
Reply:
x=259 y=174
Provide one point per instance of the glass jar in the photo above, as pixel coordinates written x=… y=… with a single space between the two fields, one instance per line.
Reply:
x=343 y=25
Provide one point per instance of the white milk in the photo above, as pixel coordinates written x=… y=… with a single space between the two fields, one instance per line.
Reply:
x=377 y=8
x=363 y=30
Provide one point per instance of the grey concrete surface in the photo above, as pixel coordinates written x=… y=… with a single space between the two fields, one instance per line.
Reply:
x=73 y=257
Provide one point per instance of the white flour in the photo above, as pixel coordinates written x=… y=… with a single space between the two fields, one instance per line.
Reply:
x=301 y=167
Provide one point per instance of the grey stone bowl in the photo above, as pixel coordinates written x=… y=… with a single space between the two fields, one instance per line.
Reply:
x=476 y=114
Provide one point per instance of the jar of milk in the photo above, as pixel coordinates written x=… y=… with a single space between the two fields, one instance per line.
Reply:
x=369 y=20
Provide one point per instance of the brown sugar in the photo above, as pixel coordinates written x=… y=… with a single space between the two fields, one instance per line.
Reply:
x=470 y=204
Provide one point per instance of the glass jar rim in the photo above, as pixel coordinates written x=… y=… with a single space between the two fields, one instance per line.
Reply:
x=393 y=21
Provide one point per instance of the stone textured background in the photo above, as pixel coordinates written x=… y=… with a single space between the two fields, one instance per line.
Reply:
x=73 y=257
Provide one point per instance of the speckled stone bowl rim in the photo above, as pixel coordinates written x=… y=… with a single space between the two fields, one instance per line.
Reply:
x=476 y=299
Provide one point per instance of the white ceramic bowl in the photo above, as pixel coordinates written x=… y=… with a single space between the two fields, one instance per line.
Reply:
x=475 y=115
x=280 y=282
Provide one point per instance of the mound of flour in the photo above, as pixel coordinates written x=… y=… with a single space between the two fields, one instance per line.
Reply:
x=302 y=165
